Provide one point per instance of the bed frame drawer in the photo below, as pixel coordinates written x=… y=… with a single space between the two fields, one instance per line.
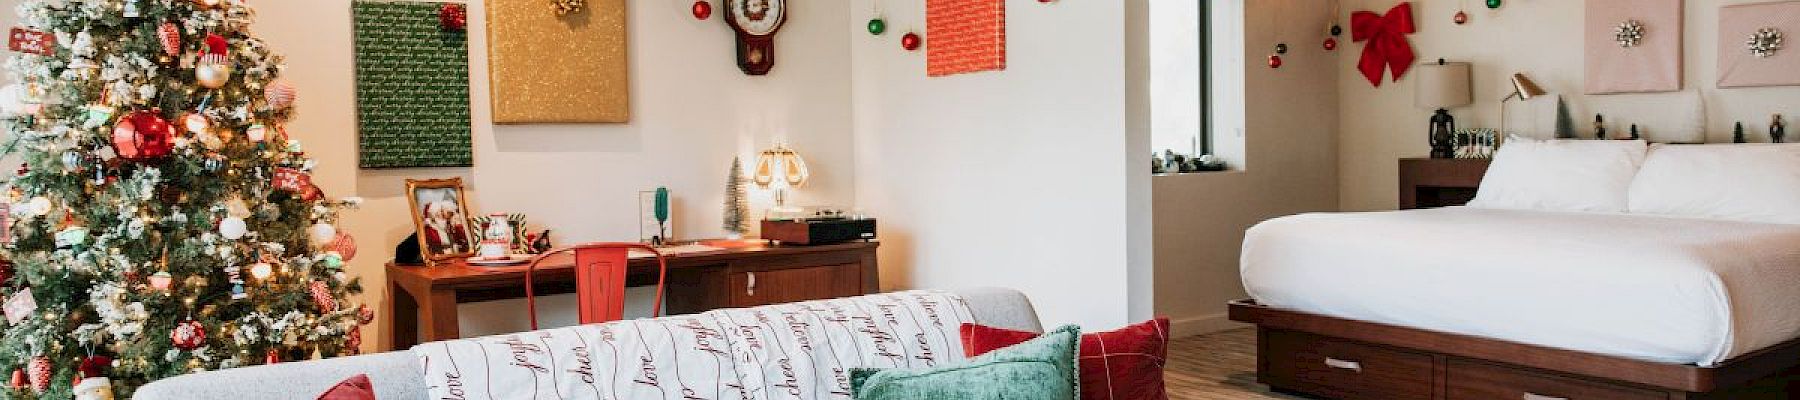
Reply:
x=1343 y=369
x=1474 y=380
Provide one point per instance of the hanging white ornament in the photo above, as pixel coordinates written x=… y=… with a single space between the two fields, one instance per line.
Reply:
x=94 y=388
x=38 y=206
x=233 y=228
x=322 y=233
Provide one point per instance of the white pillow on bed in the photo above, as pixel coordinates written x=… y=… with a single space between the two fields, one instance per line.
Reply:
x=1561 y=175
x=1742 y=182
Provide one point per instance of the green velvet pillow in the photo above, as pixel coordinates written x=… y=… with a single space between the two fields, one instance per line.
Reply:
x=1039 y=369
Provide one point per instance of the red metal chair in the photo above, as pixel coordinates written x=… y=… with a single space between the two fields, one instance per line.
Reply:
x=600 y=270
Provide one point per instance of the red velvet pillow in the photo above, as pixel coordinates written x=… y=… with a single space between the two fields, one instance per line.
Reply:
x=355 y=388
x=1126 y=364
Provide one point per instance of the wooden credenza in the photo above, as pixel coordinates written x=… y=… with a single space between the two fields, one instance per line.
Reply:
x=422 y=301
x=1439 y=182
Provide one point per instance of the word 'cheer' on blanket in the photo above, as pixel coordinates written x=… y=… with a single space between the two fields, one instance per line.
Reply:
x=789 y=351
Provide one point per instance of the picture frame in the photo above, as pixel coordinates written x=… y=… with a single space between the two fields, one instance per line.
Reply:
x=441 y=219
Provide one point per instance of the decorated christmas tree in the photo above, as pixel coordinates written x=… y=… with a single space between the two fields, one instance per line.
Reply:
x=163 y=222
x=737 y=209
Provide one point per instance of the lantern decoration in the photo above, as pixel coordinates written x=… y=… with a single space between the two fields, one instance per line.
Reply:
x=142 y=136
x=911 y=41
x=170 y=36
x=161 y=281
x=702 y=10
x=39 y=373
x=188 y=335
x=280 y=94
x=215 y=67
x=453 y=17
x=321 y=295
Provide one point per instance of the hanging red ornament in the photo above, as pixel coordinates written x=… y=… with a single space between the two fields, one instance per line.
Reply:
x=188 y=335
x=217 y=48
x=291 y=180
x=143 y=136
x=344 y=245
x=1461 y=18
x=18 y=379
x=95 y=366
x=365 y=315
x=702 y=10
x=272 y=357
x=170 y=36
x=39 y=373
x=280 y=94
x=911 y=41
x=453 y=17
x=6 y=267
x=321 y=295
x=1330 y=44
x=1274 y=61
x=353 y=341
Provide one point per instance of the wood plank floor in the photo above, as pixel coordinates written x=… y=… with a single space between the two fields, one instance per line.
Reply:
x=1219 y=366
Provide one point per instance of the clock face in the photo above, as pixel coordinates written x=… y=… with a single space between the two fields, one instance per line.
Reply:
x=757 y=17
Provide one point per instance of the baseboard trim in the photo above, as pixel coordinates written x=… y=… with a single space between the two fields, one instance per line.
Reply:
x=1201 y=325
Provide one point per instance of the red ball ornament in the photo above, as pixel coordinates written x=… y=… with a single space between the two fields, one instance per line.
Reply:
x=1330 y=44
x=702 y=10
x=1461 y=18
x=353 y=341
x=143 y=136
x=911 y=41
x=364 y=315
x=1274 y=61
x=321 y=295
x=95 y=366
x=18 y=379
x=453 y=17
x=188 y=335
x=170 y=36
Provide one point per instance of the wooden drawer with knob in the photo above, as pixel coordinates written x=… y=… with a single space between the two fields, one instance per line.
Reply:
x=1343 y=369
x=751 y=289
x=1475 y=380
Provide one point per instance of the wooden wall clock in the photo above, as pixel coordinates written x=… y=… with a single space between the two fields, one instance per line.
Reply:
x=756 y=22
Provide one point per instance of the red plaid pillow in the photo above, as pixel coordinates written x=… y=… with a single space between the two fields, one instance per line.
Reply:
x=1125 y=364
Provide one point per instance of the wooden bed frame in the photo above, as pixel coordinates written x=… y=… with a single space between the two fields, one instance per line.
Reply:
x=1319 y=355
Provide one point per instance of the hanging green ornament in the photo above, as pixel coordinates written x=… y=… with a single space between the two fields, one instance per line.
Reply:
x=1493 y=4
x=877 y=26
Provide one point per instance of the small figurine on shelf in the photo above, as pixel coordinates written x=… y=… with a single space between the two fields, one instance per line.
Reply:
x=540 y=242
x=1634 y=133
x=1778 y=130
x=1737 y=133
x=1599 y=127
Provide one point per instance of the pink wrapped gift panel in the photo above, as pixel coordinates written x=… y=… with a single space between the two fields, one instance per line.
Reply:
x=1737 y=66
x=1653 y=65
x=964 y=36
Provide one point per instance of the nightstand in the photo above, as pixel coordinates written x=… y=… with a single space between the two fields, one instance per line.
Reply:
x=1439 y=182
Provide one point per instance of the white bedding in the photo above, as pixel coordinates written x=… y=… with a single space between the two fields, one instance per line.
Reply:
x=1661 y=289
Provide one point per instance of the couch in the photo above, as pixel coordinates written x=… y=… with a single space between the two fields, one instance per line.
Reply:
x=398 y=376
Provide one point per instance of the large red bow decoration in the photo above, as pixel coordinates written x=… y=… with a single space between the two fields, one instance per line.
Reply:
x=1387 y=46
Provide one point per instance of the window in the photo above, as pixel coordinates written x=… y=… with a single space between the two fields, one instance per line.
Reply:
x=1181 y=74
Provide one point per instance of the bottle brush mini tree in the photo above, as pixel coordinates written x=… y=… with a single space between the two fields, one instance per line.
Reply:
x=163 y=222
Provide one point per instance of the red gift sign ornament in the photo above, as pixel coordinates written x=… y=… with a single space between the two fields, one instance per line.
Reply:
x=291 y=180
x=30 y=41
x=1386 y=37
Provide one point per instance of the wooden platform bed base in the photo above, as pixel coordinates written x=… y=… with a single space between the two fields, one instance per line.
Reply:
x=1345 y=359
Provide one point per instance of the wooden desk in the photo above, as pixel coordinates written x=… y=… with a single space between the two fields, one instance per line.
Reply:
x=1439 y=182
x=741 y=277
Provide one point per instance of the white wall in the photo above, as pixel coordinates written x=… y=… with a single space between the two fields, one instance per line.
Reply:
x=692 y=110
x=1017 y=178
x=1543 y=39
x=1282 y=121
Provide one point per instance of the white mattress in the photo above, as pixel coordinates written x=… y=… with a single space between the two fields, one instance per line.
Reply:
x=1659 y=289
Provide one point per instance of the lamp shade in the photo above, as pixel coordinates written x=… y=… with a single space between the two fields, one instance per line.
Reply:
x=1442 y=85
x=780 y=164
x=1525 y=88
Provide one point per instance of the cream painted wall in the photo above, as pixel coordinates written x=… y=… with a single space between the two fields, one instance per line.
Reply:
x=692 y=110
x=1288 y=139
x=1540 y=38
x=1018 y=178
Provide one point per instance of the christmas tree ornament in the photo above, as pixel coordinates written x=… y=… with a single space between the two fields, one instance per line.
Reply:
x=99 y=388
x=280 y=94
x=6 y=267
x=256 y=133
x=207 y=4
x=196 y=123
x=233 y=228
x=69 y=237
x=214 y=69
x=1337 y=30
x=566 y=7
x=71 y=161
x=702 y=10
x=1281 y=48
x=453 y=17
x=18 y=379
x=1386 y=45
x=877 y=26
x=169 y=35
x=322 y=233
x=142 y=136
x=344 y=245
x=95 y=366
x=365 y=315
x=332 y=260
x=1330 y=44
x=272 y=357
x=161 y=281
x=188 y=335
x=292 y=180
x=353 y=343
x=911 y=41
x=1493 y=4
x=1274 y=62
x=39 y=371
x=321 y=295
x=737 y=206
x=261 y=270
x=1461 y=17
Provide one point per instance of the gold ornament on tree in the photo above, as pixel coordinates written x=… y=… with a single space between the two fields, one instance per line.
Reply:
x=214 y=70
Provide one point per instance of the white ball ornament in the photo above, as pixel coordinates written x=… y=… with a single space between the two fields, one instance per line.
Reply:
x=38 y=206
x=261 y=270
x=196 y=123
x=322 y=233
x=233 y=228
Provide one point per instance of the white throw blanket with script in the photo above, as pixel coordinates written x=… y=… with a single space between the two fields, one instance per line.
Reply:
x=788 y=351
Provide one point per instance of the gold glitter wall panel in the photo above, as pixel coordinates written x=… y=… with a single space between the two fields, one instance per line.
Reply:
x=549 y=68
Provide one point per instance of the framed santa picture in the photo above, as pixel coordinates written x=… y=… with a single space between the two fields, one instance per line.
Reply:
x=441 y=218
